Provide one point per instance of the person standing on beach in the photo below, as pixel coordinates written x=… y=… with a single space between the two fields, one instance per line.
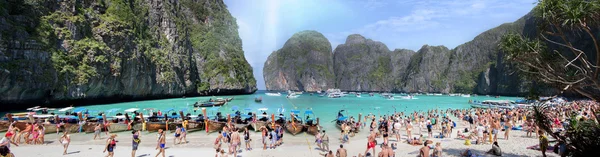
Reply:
x=218 y=141
x=371 y=142
x=161 y=143
x=397 y=127
x=111 y=144
x=495 y=128
x=65 y=140
x=325 y=141
x=265 y=134
x=543 y=142
x=341 y=152
x=318 y=140
x=247 y=139
x=97 y=130
x=273 y=138
x=177 y=135
x=235 y=141
x=507 y=131
x=135 y=142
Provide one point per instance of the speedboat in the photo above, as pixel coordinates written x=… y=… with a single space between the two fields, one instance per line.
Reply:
x=292 y=95
x=465 y=95
x=273 y=94
x=502 y=104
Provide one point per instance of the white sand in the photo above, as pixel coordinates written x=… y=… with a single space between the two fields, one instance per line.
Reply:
x=201 y=145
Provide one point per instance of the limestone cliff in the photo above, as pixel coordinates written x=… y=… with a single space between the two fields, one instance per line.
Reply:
x=362 y=64
x=111 y=50
x=304 y=63
x=425 y=70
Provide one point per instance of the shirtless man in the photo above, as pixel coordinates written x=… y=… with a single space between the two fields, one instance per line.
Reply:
x=384 y=152
x=177 y=135
x=27 y=131
x=495 y=128
x=235 y=141
x=390 y=151
x=265 y=133
x=424 y=151
x=341 y=152
x=371 y=142
x=161 y=143
x=218 y=141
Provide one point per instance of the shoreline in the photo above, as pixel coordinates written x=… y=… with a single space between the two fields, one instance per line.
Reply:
x=300 y=145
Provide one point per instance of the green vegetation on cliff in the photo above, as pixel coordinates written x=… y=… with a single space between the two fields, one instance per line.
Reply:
x=114 y=48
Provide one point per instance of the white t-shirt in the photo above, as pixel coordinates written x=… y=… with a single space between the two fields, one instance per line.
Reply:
x=5 y=141
x=480 y=130
x=397 y=125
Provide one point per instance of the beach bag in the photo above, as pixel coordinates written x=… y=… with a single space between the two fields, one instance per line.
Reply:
x=468 y=142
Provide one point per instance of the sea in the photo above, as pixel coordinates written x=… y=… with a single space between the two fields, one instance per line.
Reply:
x=326 y=109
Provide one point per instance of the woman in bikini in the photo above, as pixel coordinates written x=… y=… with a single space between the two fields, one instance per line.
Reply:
x=111 y=144
x=65 y=140
x=161 y=143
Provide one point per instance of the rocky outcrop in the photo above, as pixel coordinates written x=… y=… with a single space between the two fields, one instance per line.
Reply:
x=426 y=70
x=53 y=52
x=362 y=64
x=304 y=63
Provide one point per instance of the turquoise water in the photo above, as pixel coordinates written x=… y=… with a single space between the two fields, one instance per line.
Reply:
x=324 y=108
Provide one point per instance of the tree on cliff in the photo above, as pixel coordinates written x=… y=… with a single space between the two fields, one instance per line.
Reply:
x=555 y=59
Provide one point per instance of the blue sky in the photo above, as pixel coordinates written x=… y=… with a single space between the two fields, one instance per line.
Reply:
x=265 y=25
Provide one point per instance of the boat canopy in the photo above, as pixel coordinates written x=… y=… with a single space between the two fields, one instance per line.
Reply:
x=43 y=116
x=79 y=109
x=65 y=109
x=308 y=112
x=33 y=108
x=132 y=110
x=68 y=117
x=280 y=110
x=248 y=109
x=498 y=101
x=112 y=110
x=245 y=116
x=296 y=112
x=263 y=109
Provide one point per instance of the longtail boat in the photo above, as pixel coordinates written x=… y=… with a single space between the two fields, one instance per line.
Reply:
x=259 y=121
x=209 y=104
x=294 y=126
x=311 y=126
x=216 y=122
x=354 y=126
x=258 y=99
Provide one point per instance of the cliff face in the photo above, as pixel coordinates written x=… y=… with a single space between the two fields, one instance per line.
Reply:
x=303 y=63
x=426 y=69
x=365 y=65
x=112 y=50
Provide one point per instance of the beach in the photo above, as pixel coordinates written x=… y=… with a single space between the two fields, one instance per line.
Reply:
x=302 y=145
